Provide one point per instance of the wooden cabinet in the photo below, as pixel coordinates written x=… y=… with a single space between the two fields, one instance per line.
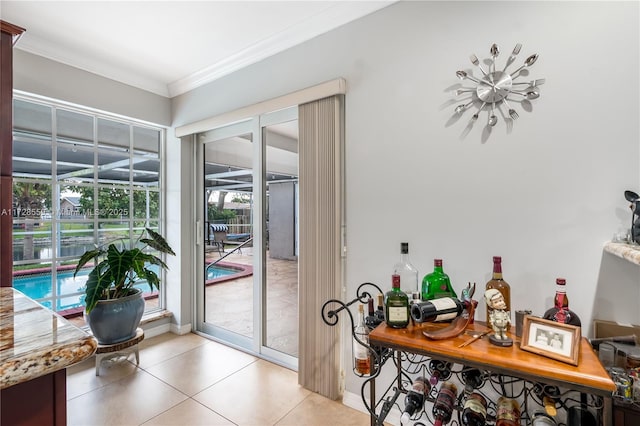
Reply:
x=41 y=401
x=9 y=34
x=625 y=414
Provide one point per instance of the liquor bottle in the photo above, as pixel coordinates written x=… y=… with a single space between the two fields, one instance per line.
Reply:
x=370 y=320
x=500 y=284
x=360 y=352
x=415 y=398
x=472 y=379
x=396 y=305
x=560 y=311
x=437 y=284
x=507 y=412
x=379 y=314
x=442 y=309
x=408 y=273
x=439 y=370
x=474 y=411
x=443 y=405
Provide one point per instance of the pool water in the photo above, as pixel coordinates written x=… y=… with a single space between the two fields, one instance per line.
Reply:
x=38 y=286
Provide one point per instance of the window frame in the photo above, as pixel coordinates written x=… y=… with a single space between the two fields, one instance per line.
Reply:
x=134 y=155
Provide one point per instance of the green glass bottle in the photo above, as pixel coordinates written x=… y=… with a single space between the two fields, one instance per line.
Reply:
x=396 y=305
x=437 y=284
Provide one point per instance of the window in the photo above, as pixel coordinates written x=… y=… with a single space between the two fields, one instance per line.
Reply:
x=79 y=179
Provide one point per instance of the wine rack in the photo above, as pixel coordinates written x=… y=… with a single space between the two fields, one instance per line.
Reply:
x=536 y=383
x=531 y=396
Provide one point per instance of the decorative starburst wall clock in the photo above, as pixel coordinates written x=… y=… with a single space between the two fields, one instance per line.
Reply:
x=497 y=87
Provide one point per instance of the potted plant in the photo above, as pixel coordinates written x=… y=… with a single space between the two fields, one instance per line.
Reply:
x=113 y=306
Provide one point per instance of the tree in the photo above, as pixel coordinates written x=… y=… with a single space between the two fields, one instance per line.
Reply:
x=241 y=198
x=31 y=201
x=220 y=204
x=213 y=214
x=114 y=201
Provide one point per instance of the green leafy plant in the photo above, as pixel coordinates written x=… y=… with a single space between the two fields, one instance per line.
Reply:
x=117 y=269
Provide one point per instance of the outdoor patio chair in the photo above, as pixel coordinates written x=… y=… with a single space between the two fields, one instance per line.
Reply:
x=219 y=236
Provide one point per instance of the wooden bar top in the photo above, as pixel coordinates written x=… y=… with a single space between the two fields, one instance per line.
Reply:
x=589 y=375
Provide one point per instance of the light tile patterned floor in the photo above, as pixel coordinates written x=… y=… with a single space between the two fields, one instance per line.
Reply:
x=189 y=380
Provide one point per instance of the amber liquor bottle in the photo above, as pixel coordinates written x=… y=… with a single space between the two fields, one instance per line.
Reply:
x=499 y=284
x=560 y=311
x=360 y=351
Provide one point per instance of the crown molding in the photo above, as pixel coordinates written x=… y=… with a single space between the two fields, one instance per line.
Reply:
x=342 y=13
x=339 y=14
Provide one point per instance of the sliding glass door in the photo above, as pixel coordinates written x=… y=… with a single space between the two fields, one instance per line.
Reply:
x=247 y=293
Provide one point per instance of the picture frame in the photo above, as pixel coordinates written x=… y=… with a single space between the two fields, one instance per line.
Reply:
x=551 y=339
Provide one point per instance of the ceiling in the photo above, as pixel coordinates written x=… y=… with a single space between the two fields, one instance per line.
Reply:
x=171 y=47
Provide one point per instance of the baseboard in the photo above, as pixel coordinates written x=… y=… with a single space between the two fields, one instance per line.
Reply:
x=153 y=331
x=354 y=401
x=180 y=329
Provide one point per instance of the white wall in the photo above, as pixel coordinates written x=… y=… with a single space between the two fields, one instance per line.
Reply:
x=545 y=195
x=38 y=75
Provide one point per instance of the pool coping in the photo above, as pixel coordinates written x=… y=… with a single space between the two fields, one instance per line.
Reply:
x=244 y=271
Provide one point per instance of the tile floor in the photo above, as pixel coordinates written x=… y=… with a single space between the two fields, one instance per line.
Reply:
x=189 y=380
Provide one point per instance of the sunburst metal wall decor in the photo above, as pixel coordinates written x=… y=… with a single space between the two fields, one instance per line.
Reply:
x=497 y=87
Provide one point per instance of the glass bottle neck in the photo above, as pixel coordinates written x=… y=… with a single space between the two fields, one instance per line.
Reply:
x=497 y=270
x=395 y=283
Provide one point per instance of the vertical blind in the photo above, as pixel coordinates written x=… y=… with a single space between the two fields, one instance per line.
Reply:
x=321 y=220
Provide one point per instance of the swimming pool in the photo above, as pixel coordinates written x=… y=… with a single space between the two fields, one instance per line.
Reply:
x=38 y=286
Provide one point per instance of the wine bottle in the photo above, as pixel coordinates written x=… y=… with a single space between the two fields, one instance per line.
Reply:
x=474 y=411
x=443 y=405
x=407 y=272
x=396 y=305
x=500 y=284
x=379 y=314
x=442 y=309
x=560 y=311
x=507 y=412
x=360 y=352
x=437 y=284
x=370 y=320
x=414 y=400
x=439 y=370
x=472 y=379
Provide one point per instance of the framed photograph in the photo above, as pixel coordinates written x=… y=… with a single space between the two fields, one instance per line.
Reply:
x=551 y=339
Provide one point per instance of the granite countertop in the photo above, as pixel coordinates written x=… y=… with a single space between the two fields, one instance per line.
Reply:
x=35 y=341
x=630 y=252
